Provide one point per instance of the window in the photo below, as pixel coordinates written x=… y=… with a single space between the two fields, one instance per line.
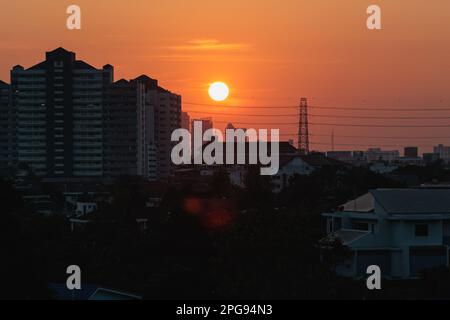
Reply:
x=421 y=230
x=361 y=226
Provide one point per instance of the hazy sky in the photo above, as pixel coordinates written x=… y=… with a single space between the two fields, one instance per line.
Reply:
x=269 y=52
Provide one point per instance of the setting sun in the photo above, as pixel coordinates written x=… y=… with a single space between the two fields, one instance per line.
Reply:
x=218 y=91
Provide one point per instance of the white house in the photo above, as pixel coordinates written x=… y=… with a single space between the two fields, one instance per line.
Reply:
x=403 y=231
x=290 y=166
x=303 y=165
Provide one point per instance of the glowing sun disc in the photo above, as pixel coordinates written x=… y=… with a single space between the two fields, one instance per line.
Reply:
x=219 y=91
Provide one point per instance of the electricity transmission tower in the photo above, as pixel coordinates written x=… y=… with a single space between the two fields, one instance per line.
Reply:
x=303 y=129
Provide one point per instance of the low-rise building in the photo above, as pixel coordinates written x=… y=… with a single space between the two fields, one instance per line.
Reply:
x=302 y=165
x=403 y=231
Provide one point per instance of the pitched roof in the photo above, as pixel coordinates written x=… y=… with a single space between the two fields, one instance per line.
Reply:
x=90 y=292
x=365 y=203
x=79 y=64
x=413 y=201
x=320 y=160
x=345 y=236
x=314 y=159
x=39 y=66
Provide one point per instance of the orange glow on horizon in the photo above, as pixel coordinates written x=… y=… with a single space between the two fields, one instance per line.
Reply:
x=271 y=55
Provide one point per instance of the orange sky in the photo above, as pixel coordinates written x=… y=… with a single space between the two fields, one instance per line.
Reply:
x=269 y=52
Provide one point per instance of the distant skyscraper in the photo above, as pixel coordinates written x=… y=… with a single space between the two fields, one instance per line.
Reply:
x=411 y=152
x=8 y=152
x=185 y=121
x=207 y=123
x=59 y=106
x=164 y=115
x=443 y=152
x=230 y=126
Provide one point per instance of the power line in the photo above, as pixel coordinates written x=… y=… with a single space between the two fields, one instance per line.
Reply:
x=375 y=137
x=366 y=137
x=338 y=124
x=369 y=145
x=321 y=116
x=375 y=108
x=367 y=108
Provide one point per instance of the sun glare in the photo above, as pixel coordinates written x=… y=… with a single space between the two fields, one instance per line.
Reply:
x=219 y=91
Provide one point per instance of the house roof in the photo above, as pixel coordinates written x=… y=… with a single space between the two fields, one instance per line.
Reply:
x=320 y=160
x=413 y=201
x=345 y=236
x=314 y=159
x=90 y=292
x=365 y=203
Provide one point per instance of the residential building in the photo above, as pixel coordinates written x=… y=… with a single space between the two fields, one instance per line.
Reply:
x=376 y=154
x=345 y=156
x=185 y=121
x=164 y=116
x=382 y=167
x=431 y=157
x=411 y=152
x=443 y=152
x=8 y=143
x=233 y=137
x=59 y=105
x=147 y=114
x=120 y=133
x=403 y=231
x=297 y=164
x=66 y=119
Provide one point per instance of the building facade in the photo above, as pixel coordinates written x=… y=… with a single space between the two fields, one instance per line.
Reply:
x=376 y=154
x=411 y=152
x=120 y=133
x=186 y=121
x=443 y=152
x=403 y=231
x=8 y=144
x=59 y=105
x=67 y=119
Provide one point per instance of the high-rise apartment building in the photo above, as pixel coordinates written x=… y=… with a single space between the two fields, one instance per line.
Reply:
x=120 y=128
x=66 y=118
x=59 y=104
x=167 y=118
x=8 y=152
